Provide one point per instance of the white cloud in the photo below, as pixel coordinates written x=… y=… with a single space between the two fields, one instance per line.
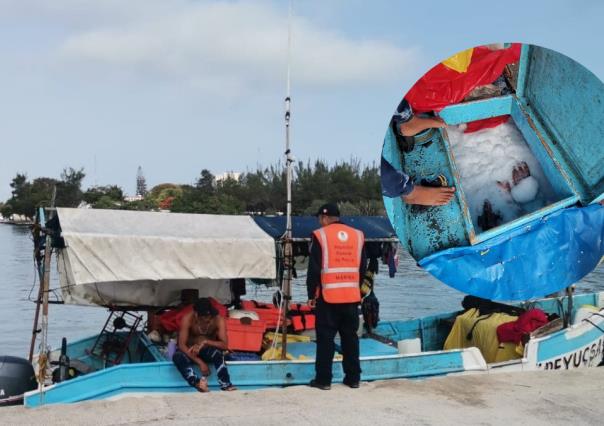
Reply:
x=234 y=47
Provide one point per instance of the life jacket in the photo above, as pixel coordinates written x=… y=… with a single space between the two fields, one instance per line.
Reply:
x=266 y=312
x=302 y=317
x=341 y=248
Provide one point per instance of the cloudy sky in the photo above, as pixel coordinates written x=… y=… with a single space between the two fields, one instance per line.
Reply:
x=178 y=86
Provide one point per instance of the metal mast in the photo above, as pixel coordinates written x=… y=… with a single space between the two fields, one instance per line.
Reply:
x=288 y=258
x=45 y=285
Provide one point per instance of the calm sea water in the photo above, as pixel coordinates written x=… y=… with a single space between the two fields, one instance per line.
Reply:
x=411 y=293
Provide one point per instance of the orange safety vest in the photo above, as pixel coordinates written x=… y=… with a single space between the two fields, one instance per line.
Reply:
x=341 y=247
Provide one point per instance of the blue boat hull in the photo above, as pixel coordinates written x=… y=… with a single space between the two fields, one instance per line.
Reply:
x=579 y=346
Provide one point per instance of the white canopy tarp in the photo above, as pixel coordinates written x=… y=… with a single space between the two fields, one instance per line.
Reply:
x=117 y=257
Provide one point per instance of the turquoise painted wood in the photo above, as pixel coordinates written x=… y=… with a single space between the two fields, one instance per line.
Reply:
x=429 y=229
x=560 y=343
x=560 y=349
x=559 y=305
x=477 y=110
x=140 y=349
x=568 y=101
x=161 y=376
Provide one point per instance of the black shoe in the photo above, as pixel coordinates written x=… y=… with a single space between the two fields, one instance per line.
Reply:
x=353 y=385
x=314 y=384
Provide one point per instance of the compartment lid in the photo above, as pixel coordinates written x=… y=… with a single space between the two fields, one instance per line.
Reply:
x=567 y=100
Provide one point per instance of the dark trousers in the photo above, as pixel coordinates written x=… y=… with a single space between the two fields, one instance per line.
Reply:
x=342 y=318
x=209 y=355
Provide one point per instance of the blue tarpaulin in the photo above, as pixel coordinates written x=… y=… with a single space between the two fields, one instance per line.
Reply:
x=562 y=247
x=374 y=227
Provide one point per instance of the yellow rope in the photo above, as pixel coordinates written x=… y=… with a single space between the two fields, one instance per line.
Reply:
x=42 y=360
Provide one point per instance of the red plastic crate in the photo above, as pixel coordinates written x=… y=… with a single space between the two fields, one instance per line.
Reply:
x=245 y=337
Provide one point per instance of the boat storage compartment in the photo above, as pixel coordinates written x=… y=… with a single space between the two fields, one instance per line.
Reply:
x=245 y=335
x=483 y=162
x=555 y=112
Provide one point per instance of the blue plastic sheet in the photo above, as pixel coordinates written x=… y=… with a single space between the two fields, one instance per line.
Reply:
x=531 y=261
x=374 y=227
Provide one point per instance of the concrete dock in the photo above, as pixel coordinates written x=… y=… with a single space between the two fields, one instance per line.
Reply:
x=535 y=398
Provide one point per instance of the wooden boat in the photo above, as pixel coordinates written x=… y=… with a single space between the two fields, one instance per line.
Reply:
x=556 y=105
x=581 y=345
x=94 y=245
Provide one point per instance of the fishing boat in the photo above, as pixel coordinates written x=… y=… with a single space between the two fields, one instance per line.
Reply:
x=130 y=262
x=556 y=105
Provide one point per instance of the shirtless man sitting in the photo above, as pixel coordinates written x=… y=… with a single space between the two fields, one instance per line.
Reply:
x=202 y=339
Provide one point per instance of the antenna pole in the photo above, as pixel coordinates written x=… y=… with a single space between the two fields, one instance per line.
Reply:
x=288 y=258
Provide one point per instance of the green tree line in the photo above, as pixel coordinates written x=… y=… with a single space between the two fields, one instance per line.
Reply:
x=355 y=187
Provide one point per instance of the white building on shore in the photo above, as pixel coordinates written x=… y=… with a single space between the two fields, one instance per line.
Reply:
x=131 y=198
x=227 y=175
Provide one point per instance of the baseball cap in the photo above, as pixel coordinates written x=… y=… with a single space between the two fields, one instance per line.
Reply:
x=329 y=209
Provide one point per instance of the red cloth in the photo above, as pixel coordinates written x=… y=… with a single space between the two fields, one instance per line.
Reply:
x=442 y=86
x=170 y=320
x=487 y=123
x=526 y=323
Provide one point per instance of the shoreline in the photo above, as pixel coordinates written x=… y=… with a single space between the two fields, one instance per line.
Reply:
x=543 y=397
x=16 y=223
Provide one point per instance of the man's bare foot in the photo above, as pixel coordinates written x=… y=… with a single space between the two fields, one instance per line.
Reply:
x=202 y=385
x=521 y=171
x=428 y=196
x=419 y=124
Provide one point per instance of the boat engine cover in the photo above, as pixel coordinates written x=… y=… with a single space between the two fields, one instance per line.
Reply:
x=17 y=376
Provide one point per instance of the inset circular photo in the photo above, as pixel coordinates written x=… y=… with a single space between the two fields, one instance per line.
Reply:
x=493 y=171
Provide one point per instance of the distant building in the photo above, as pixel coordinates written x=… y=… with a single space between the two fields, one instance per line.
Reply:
x=141 y=183
x=131 y=198
x=227 y=175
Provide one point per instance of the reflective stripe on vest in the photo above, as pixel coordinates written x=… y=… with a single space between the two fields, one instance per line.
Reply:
x=342 y=248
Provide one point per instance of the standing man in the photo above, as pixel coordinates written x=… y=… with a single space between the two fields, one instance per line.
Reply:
x=335 y=271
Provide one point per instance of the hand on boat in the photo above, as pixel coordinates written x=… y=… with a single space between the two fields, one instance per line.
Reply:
x=418 y=124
